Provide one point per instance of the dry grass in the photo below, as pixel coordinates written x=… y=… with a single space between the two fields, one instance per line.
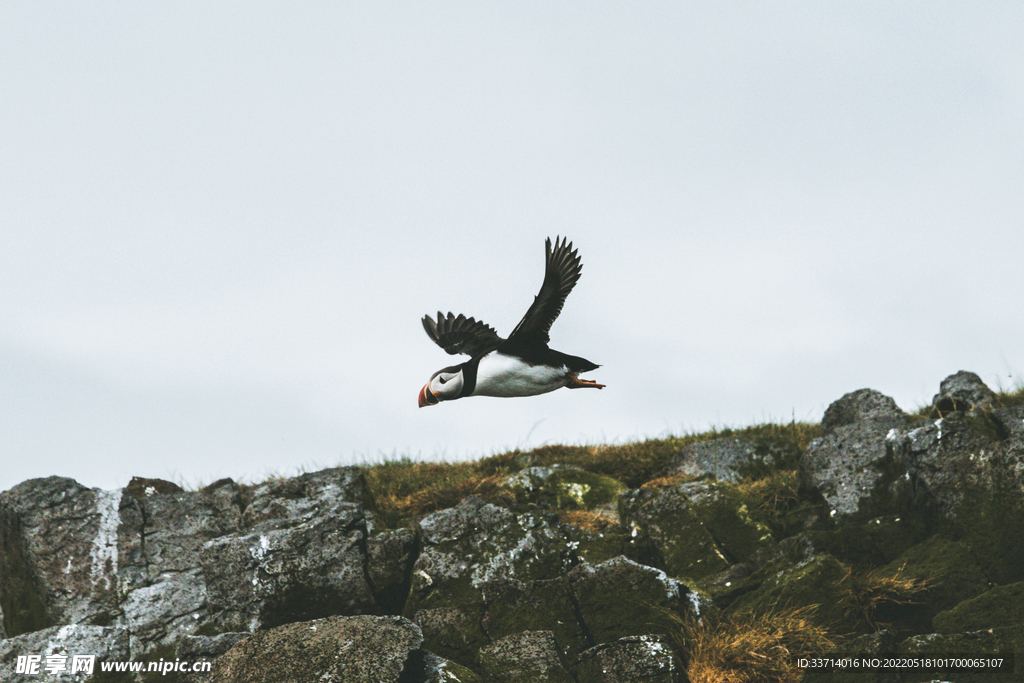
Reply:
x=662 y=483
x=586 y=520
x=776 y=494
x=751 y=648
x=878 y=590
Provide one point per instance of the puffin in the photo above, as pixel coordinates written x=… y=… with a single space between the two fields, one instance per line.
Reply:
x=521 y=365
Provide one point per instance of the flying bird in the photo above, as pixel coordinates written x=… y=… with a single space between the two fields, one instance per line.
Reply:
x=521 y=365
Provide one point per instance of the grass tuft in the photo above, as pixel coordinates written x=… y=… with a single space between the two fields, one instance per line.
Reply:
x=877 y=592
x=586 y=520
x=751 y=648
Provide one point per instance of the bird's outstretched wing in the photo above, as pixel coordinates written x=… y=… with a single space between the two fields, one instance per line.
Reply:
x=461 y=334
x=562 y=269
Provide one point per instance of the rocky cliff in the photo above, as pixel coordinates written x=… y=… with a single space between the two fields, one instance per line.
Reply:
x=890 y=533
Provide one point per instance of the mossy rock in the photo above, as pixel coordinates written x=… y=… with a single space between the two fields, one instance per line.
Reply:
x=698 y=527
x=997 y=607
x=453 y=672
x=514 y=607
x=949 y=569
x=597 y=546
x=685 y=546
x=617 y=598
x=991 y=642
x=562 y=487
x=871 y=543
x=724 y=511
x=989 y=521
x=820 y=582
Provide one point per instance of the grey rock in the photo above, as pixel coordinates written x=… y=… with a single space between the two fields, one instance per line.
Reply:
x=309 y=568
x=159 y=566
x=60 y=544
x=297 y=497
x=729 y=460
x=849 y=467
x=631 y=659
x=960 y=473
x=166 y=611
x=861 y=406
x=528 y=657
x=464 y=550
x=390 y=555
x=948 y=459
x=1010 y=422
x=106 y=643
x=675 y=529
x=962 y=392
x=175 y=527
x=300 y=553
x=358 y=649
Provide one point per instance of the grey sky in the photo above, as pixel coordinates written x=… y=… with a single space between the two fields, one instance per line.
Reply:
x=222 y=222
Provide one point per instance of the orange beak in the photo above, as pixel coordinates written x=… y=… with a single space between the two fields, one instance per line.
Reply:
x=427 y=398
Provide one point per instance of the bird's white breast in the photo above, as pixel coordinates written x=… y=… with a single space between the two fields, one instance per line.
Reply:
x=499 y=375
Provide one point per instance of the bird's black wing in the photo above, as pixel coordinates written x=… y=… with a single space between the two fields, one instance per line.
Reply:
x=461 y=334
x=562 y=269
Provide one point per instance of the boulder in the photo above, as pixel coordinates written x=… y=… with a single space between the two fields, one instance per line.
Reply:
x=849 y=468
x=359 y=649
x=300 y=554
x=699 y=528
x=159 y=569
x=173 y=525
x=730 y=459
x=464 y=550
x=965 y=477
x=548 y=604
x=527 y=657
x=636 y=658
x=598 y=593
x=863 y=405
x=66 y=644
x=962 y=392
x=307 y=568
x=60 y=547
x=389 y=558
x=165 y=612
x=299 y=497
x=562 y=487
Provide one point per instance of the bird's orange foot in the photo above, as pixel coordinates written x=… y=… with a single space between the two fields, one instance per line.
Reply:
x=575 y=382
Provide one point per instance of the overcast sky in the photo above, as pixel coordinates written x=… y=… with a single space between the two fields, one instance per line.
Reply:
x=222 y=222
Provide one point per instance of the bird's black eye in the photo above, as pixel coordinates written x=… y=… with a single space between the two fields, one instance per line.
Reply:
x=442 y=379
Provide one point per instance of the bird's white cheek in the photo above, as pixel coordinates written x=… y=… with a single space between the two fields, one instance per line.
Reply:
x=447 y=390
